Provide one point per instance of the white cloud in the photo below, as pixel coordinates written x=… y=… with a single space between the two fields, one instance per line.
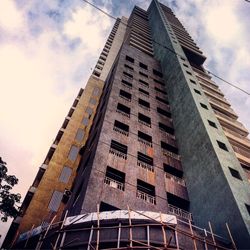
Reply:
x=88 y=25
x=38 y=81
x=10 y=17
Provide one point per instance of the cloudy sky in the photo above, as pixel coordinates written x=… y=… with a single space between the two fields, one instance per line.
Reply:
x=49 y=48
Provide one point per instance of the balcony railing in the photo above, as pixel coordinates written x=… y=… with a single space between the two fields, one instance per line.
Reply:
x=144 y=123
x=179 y=212
x=147 y=143
x=125 y=98
x=146 y=197
x=123 y=113
x=144 y=107
x=168 y=153
x=125 y=85
x=117 y=153
x=176 y=179
x=145 y=165
x=114 y=183
x=121 y=131
x=167 y=134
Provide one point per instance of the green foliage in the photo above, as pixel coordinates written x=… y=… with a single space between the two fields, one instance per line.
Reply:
x=8 y=200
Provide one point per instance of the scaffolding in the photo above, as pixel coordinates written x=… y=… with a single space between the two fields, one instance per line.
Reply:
x=126 y=229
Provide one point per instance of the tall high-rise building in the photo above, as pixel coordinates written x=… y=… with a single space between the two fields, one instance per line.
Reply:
x=150 y=155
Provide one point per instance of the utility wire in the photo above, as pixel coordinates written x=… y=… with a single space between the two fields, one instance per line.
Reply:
x=169 y=49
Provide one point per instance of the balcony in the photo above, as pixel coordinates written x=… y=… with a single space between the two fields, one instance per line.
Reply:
x=118 y=153
x=145 y=165
x=114 y=183
x=121 y=131
x=168 y=153
x=145 y=142
x=146 y=197
x=123 y=113
x=144 y=107
x=144 y=123
x=176 y=179
x=179 y=212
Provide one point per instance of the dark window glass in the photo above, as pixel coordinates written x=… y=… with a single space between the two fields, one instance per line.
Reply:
x=212 y=124
x=130 y=59
x=235 y=173
x=163 y=112
x=161 y=91
x=143 y=66
x=125 y=95
x=203 y=106
x=157 y=73
x=222 y=145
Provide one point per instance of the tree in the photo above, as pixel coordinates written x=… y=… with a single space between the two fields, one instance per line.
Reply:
x=8 y=200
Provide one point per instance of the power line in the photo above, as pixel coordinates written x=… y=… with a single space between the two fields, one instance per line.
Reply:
x=164 y=46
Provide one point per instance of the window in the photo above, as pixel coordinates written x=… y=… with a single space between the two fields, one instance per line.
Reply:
x=188 y=72
x=162 y=100
x=118 y=149
x=55 y=201
x=96 y=91
x=145 y=139
x=144 y=104
x=128 y=67
x=197 y=91
x=80 y=93
x=175 y=202
x=122 y=109
x=145 y=75
x=121 y=128
x=80 y=135
x=92 y=101
x=203 y=106
x=172 y=170
x=65 y=174
x=144 y=119
x=125 y=95
x=115 y=178
x=157 y=73
x=163 y=112
x=58 y=137
x=145 y=191
x=185 y=65
x=85 y=121
x=89 y=110
x=222 y=145
x=192 y=81
x=126 y=84
x=75 y=103
x=143 y=66
x=70 y=112
x=73 y=153
x=235 y=173
x=248 y=208
x=212 y=124
x=146 y=93
x=96 y=73
x=161 y=91
x=49 y=155
x=143 y=83
x=127 y=74
x=168 y=147
x=130 y=59
x=166 y=128
x=159 y=82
